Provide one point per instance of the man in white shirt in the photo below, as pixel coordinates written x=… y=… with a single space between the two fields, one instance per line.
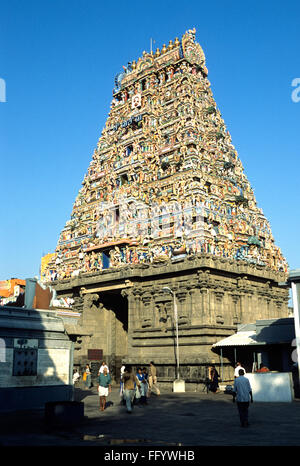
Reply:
x=237 y=368
x=76 y=376
x=242 y=393
x=102 y=367
x=122 y=383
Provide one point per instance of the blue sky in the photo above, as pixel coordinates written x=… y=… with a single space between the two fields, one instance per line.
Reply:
x=59 y=60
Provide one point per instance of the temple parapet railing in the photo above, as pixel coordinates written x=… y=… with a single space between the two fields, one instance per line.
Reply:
x=200 y=261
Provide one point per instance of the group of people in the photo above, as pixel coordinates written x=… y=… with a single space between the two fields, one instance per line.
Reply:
x=137 y=387
x=134 y=386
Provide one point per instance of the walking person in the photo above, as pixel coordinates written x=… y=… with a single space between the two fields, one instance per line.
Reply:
x=104 y=387
x=76 y=376
x=152 y=379
x=143 y=386
x=102 y=367
x=207 y=381
x=238 y=366
x=87 y=377
x=122 y=383
x=130 y=381
x=242 y=394
x=214 y=379
x=145 y=372
x=138 y=388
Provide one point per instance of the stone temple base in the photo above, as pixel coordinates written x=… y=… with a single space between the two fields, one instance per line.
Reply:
x=127 y=314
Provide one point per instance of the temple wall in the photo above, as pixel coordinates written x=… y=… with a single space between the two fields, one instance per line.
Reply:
x=212 y=298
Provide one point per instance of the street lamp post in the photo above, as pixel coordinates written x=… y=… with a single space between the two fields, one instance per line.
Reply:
x=178 y=385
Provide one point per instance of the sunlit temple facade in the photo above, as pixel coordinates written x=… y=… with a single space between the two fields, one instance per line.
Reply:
x=165 y=202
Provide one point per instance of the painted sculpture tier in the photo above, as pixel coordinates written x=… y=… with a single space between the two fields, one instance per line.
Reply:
x=165 y=179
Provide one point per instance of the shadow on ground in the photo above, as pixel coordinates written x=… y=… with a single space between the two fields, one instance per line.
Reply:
x=169 y=419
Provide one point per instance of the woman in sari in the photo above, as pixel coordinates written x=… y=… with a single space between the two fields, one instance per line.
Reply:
x=87 y=377
x=214 y=379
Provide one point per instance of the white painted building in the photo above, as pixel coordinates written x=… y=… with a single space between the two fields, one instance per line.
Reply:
x=36 y=359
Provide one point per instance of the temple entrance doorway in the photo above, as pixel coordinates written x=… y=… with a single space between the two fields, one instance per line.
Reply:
x=116 y=331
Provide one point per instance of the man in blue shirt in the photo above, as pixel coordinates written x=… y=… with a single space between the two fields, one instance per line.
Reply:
x=242 y=393
x=143 y=386
x=104 y=387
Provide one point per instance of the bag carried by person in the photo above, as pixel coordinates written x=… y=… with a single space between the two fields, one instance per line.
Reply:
x=84 y=376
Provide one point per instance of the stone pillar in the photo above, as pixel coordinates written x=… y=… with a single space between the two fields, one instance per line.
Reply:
x=236 y=318
x=265 y=308
x=228 y=306
x=204 y=284
x=128 y=292
x=246 y=304
x=192 y=308
x=156 y=309
x=227 y=309
x=182 y=305
x=252 y=297
x=197 y=307
x=205 y=317
x=147 y=312
x=137 y=323
x=112 y=350
x=191 y=305
x=218 y=300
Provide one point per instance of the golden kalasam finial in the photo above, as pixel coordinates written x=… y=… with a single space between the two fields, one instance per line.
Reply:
x=133 y=65
x=164 y=49
x=157 y=53
x=170 y=46
x=176 y=42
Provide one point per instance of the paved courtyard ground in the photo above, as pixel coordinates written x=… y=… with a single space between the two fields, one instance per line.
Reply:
x=172 y=419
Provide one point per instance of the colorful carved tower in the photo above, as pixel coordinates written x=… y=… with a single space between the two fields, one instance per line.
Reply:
x=165 y=176
x=165 y=183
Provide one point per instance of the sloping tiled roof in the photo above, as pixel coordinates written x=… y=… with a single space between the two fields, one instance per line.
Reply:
x=263 y=332
x=239 y=339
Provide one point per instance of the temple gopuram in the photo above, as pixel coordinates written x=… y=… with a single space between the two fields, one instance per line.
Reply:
x=165 y=203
